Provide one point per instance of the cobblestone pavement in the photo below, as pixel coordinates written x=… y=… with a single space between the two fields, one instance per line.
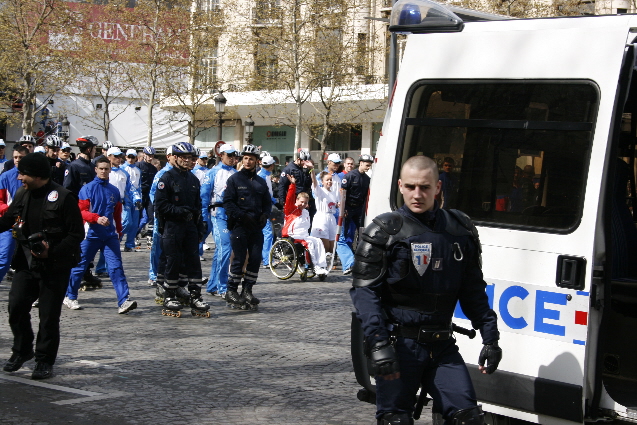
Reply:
x=288 y=363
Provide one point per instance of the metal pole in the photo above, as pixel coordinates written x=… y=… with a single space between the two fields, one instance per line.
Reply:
x=393 y=65
x=220 y=127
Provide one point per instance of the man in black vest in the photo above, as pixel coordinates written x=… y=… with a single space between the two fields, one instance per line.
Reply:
x=48 y=228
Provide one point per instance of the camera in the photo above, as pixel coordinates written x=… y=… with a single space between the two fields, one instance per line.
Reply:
x=36 y=244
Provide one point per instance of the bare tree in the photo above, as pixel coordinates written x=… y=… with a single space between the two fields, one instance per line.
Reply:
x=36 y=38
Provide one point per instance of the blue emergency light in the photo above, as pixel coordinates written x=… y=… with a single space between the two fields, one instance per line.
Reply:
x=423 y=16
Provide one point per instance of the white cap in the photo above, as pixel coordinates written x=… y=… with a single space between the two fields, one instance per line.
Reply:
x=114 y=151
x=2 y=142
x=334 y=157
x=131 y=152
x=267 y=161
x=65 y=146
x=169 y=150
x=227 y=148
x=39 y=149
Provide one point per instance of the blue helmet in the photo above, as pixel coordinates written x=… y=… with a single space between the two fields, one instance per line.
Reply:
x=149 y=150
x=183 y=148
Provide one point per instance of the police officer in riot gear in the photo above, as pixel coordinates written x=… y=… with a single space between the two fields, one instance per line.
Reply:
x=48 y=228
x=178 y=209
x=412 y=267
x=26 y=141
x=248 y=205
x=52 y=146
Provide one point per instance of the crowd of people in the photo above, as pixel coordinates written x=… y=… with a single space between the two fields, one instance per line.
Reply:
x=121 y=197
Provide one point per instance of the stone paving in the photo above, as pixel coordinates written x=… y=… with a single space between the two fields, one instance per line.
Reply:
x=288 y=363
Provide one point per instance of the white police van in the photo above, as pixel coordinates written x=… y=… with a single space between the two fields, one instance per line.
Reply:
x=538 y=118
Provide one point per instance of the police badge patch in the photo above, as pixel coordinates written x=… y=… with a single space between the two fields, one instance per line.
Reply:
x=160 y=185
x=421 y=255
x=53 y=196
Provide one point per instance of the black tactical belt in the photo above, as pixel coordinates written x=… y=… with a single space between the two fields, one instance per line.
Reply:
x=425 y=333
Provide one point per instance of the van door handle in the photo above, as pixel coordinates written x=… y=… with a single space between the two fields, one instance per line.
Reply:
x=571 y=271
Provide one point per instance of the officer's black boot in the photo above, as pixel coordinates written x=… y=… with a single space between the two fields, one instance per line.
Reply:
x=395 y=419
x=470 y=416
x=234 y=300
x=170 y=299
x=246 y=293
x=196 y=302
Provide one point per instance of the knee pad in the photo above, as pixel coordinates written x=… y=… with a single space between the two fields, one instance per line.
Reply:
x=396 y=419
x=470 y=416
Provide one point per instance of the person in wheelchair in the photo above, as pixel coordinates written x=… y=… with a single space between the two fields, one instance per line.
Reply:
x=297 y=226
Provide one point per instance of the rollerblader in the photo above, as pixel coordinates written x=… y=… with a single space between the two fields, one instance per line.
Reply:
x=178 y=206
x=248 y=204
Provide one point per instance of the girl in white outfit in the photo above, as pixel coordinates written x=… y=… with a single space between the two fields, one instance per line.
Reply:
x=324 y=223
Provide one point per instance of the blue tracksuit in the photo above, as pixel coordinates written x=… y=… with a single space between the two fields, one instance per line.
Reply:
x=101 y=198
x=121 y=180
x=130 y=215
x=155 y=250
x=200 y=172
x=9 y=182
x=212 y=190
x=268 y=235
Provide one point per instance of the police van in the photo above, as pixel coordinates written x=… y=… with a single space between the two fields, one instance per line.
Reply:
x=534 y=119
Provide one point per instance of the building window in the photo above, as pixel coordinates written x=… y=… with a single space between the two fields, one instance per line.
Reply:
x=361 y=55
x=208 y=77
x=209 y=5
x=343 y=138
x=266 y=65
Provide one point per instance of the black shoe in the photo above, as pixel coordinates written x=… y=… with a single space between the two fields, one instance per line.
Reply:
x=128 y=249
x=42 y=371
x=103 y=274
x=16 y=361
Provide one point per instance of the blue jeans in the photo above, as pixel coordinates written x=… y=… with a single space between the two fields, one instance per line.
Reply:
x=113 y=255
x=7 y=248
x=218 y=281
x=268 y=239
x=130 y=225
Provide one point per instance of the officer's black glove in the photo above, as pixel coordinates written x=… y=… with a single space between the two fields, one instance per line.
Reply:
x=138 y=205
x=263 y=220
x=384 y=360
x=492 y=354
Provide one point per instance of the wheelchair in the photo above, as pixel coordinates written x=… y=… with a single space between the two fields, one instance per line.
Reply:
x=289 y=256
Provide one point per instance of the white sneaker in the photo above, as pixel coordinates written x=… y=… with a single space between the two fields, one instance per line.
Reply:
x=319 y=270
x=151 y=282
x=206 y=247
x=201 y=258
x=72 y=304
x=127 y=306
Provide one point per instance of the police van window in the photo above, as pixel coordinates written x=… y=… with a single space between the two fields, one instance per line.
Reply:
x=511 y=154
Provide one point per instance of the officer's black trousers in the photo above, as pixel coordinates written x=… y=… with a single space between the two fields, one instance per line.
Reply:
x=180 y=243
x=245 y=242
x=50 y=288
x=445 y=378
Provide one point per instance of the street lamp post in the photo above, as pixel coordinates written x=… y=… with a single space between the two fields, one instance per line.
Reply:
x=249 y=126
x=220 y=107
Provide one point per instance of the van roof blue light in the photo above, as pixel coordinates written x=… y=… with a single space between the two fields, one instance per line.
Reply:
x=423 y=16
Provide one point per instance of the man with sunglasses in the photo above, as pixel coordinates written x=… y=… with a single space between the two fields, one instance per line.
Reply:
x=214 y=214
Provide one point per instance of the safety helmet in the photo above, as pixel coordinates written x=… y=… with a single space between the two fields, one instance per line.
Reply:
x=26 y=139
x=85 y=142
x=365 y=158
x=183 y=148
x=149 y=150
x=53 y=141
x=304 y=155
x=107 y=145
x=264 y=153
x=251 y=150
